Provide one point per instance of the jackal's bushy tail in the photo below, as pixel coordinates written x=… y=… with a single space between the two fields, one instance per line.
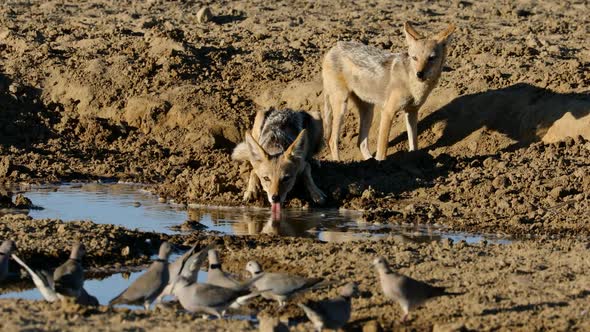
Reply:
x=241 y=152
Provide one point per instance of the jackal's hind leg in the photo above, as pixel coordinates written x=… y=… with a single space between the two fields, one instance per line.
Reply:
x=316 y=194
x=365 y=119
x=253 y=185
x=339 y=107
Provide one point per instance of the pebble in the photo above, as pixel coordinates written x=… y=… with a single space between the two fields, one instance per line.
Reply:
x=204 y=15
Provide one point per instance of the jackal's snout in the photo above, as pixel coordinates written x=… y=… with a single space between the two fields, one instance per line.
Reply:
x=420 y=75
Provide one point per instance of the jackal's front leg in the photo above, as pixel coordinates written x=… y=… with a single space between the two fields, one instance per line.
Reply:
x=395 y=103
x=383 y=139
x=316 y=194
x=253 y=185
x=412 y=128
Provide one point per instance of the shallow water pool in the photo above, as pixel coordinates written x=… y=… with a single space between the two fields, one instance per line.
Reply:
x=133 y=207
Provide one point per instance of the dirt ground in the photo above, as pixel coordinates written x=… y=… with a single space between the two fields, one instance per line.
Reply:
x=145 y=92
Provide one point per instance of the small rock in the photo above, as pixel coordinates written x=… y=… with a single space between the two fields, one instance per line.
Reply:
x=22 y=202
x=61 y=229
x=451 y=327
x=126 y=251
x=204 y=15
x=272 y=324
x=161 y=199
x=557 y=192
x=517 y=220
x=372 y=326
x=500 y=182
x=136 y=204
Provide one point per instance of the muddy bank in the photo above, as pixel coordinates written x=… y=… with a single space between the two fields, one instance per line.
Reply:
x=47 y=243
x=98 y=91
x=546 y=282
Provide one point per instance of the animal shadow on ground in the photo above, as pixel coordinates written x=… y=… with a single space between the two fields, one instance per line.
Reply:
x=524 y=307
x=523 y=112
x=224 y=19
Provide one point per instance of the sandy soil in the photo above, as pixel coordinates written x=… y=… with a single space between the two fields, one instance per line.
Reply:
x=144 y=92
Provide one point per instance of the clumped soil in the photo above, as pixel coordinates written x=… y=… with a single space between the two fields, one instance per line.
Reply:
x=148 y=92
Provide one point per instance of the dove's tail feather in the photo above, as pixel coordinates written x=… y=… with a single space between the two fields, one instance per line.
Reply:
x=244 y=298
x=317 y=283
x=43 y=281
x=117 y=299
x=310 y=313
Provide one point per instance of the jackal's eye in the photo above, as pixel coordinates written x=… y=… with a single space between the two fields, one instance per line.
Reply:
x=414 y=58
x=285 y=178
x=266 y=178
x=431 y=56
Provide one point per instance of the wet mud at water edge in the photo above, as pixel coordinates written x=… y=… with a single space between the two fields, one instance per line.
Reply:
x=149 y=92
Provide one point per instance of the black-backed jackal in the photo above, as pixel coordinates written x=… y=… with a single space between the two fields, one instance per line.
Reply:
x=370 y=76
x=280 y=147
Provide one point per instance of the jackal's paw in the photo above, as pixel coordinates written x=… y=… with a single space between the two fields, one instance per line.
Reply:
x=318 y=197
x=249 y=195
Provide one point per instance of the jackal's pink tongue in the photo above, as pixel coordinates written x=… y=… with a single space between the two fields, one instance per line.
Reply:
x=275 y=208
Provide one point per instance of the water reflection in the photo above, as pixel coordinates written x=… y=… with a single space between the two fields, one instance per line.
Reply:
x=132 y=207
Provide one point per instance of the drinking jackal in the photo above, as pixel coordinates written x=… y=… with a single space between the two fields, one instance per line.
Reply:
x=280 y=147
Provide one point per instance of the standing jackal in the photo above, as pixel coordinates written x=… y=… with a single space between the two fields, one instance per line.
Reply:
x=370 y=76
x=280 y=147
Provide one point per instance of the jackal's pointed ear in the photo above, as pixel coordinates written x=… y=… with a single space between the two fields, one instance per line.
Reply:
x=444 y=35
x=411 y=33
x=297 y=149
x=257 y=153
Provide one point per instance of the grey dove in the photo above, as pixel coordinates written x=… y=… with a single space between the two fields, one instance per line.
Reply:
x=145 y=289
x=6 y=250
x=408 y=292
x=68 y=278
x=216 y=276
x=43 y=281
x=280 y=286
x=46 y=286
x=210 y=299
x=174 y=268
x=331 y=313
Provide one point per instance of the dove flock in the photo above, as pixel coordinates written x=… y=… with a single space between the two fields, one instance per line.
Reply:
x=222 y=291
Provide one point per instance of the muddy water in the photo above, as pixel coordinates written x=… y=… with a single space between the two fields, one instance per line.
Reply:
x=132 y=207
